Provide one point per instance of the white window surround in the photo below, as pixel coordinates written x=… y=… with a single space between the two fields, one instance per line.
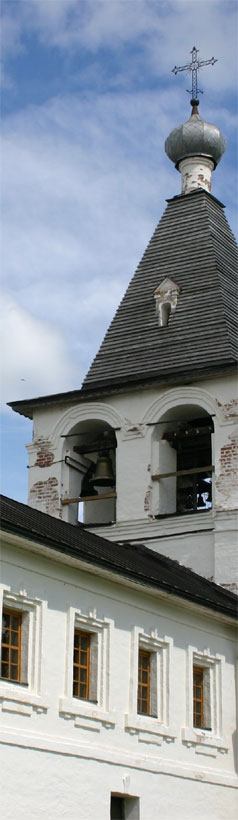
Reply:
x=150 y=729
x=209 y=740
x=85 y=713
x=27 y=696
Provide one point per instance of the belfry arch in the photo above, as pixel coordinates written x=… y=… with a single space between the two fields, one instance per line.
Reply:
x=182 y=461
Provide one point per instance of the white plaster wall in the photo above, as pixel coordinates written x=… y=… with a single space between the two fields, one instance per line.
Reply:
x=62 y=787
x=133 y=415
x=74 y=763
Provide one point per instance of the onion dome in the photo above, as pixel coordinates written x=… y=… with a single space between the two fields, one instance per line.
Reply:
x=195 y=138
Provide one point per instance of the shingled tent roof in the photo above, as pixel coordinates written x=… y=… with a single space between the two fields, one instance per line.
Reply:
x=136 y=563
x=194 y=246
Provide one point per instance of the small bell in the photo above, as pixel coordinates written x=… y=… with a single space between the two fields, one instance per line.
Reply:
x=103 y=476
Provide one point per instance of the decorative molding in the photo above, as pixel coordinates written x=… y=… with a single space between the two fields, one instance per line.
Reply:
x=21 y=701
x=150 y=729
x=26 y=698
x=119 y=757
x=182 y=396
x=132 y=430
x=86 y=715
x=204 y=739
x=74 y=707
x=84 y=412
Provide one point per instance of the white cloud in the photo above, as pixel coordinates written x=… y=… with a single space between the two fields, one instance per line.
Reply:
x=35 y=358
x=86 y=182
x=162 y=33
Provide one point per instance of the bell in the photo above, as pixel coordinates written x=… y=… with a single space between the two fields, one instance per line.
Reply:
x=103 y=476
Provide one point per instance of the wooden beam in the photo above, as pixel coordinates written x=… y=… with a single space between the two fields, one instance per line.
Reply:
x=157 y=476
x=87 y=498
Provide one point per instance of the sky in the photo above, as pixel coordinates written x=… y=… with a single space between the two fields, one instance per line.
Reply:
x=88 y=99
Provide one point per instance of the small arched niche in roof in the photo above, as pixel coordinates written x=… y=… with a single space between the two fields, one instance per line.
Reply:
x=166 y=297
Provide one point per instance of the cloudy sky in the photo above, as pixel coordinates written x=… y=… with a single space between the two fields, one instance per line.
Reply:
x=88 y=100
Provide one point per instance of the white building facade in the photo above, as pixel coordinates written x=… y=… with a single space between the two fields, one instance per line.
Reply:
x=87 y=758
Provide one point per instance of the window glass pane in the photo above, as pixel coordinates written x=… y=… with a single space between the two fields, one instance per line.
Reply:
x=5 y=620
x=4 y=670
x=14 y=656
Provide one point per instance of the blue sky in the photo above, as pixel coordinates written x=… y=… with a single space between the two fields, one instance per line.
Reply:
x=88 y=99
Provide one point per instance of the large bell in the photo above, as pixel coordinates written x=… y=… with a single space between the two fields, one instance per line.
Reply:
x=103 y=476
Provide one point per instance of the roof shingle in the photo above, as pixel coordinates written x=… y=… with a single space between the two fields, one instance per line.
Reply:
x=194 y=246
x=137 y=563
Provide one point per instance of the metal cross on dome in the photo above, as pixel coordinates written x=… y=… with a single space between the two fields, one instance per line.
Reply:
x=194 y=68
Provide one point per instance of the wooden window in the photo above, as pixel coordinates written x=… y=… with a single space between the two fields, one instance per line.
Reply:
x=143 y=701
x=81 y=665
x=11 y=645
x=198 y=697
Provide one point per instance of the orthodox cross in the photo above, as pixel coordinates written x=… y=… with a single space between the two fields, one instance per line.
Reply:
x=194 y=68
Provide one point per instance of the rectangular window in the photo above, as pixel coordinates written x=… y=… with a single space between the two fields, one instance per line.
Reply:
x=198 y=697
x=201 y=698
x=11 y=645
x=81 y=665
x=143 y=700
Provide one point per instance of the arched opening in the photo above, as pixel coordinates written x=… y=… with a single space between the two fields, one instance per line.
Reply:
x=182 y=461
x=90 y=459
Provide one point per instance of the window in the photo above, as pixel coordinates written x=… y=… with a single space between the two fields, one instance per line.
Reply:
x=201 y=698
x=85 y=663
x=204 y=701
x=81 y=665
x=11 y=645
x=123 y=808
x=143 y=701
x=148 y=712
x=86 y=697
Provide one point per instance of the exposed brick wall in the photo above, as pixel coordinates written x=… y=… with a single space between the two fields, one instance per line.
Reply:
x=44 y=496
x=226 y=481
x=44 y=456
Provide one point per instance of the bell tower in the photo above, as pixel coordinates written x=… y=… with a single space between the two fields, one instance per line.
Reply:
x=145 y=452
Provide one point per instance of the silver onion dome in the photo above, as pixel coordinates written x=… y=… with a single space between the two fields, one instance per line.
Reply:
x=195 y=138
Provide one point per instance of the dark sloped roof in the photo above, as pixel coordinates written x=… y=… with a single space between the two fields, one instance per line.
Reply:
x=194 y=246
x=137 y=563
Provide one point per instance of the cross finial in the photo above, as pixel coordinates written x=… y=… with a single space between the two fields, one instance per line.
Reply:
x=194 y=67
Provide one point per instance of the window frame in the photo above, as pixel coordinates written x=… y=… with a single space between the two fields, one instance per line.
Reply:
x=27 y=690
x=144 y=655
x=79 y=667
x=10 y=647
x=95 y=711
x=153 y=727
x=212 y=668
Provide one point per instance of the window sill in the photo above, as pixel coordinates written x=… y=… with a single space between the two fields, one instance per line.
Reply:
x=13 y=698
x=148 y=729
x=204 y=739
x=86 y=715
